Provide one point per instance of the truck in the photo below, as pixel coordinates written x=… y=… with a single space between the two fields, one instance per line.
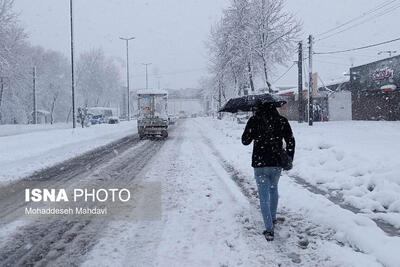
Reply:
x=152 y=113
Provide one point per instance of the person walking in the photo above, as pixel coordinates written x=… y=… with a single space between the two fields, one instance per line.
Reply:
x=266 y=129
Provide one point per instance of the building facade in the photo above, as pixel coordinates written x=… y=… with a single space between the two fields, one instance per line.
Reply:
x=375 y=89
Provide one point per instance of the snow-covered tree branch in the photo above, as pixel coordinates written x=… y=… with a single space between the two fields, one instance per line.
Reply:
x=252 y=37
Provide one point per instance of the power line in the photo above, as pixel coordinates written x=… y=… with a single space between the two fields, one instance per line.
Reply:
x=389 y=10
x=358 y=48
x=375 y=9
x=347 y=56
x=280 y=77
x=341 y=47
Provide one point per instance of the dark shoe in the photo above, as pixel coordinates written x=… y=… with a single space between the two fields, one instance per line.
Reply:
x=269 y=235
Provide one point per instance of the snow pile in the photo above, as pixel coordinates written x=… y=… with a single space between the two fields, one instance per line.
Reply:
x=13 y=129
x=355 y=159
x=25 y=153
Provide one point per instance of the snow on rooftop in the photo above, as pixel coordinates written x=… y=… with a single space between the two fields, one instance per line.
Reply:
x=337 y=81
x=289 y=90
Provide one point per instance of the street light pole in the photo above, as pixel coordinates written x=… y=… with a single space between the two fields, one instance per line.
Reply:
x=310 y=83
x=72 y=65
x=127 y=74
x=34 y=96
x=147 y=79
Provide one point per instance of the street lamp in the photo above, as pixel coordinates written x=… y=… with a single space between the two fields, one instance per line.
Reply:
x=72 y=64
x=147 y=79
x=127 y=72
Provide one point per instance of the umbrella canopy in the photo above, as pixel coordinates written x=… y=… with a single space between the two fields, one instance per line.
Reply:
x=251 y=103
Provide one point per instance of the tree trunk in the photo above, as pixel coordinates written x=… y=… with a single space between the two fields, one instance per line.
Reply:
x=250 y=76
x=236 y=83
x=53 y=104
x=266 y=76
x=1 y=97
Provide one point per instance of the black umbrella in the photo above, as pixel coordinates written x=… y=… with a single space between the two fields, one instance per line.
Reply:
x=251 y=103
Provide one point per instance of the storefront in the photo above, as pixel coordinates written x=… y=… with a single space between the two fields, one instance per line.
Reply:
x=375 y=90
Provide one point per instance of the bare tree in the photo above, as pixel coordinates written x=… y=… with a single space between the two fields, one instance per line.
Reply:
x=11 y=39
x=273 y=34
x=98 y=80
x=252 y=37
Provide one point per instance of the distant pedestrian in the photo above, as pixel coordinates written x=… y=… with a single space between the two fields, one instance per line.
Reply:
x=267 y=128
x=82 y=117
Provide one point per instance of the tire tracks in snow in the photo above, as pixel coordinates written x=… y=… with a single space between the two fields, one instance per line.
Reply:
x=60 y=242
x=61 y=173
x=140 y=243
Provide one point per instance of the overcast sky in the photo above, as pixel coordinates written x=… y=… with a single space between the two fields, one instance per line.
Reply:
x=171 y=33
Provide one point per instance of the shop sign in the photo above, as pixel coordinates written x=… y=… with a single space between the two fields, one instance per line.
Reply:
x=381 y=74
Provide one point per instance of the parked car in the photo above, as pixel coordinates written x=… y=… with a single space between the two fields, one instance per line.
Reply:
x=109 y=115
x=97 y=119
x=113 y=120
x=172 y=119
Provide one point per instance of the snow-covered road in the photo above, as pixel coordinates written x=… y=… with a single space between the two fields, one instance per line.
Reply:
x=210 y=213
x=33 y=147
x=211 y=216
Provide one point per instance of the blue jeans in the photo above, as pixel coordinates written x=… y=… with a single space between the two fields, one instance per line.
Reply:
x=267 y=179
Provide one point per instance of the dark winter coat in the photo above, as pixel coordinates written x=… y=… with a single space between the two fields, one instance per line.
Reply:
x=267 y=128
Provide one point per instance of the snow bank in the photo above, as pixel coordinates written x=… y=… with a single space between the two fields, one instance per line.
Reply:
x=13 y=129
x=357 y=159
x=26 y=153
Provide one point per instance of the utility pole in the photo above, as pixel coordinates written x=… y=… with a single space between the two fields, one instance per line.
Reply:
x=300 y=84
x=310 y=83
x=219 y=99
x=1 y=95
x=72 y=64
x=2 y=89
x=147 y=77
x=34 y=96
x=127 y=75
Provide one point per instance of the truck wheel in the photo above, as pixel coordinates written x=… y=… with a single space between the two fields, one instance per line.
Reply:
x=164 y=134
